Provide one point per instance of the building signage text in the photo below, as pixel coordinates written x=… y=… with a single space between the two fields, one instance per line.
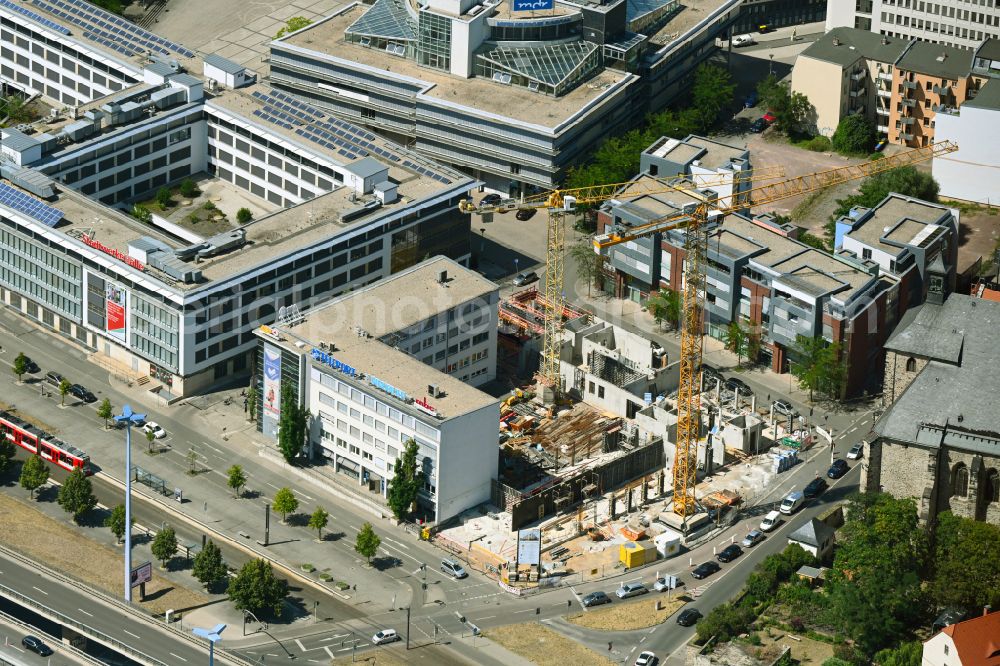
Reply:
x=532 y=5
x=323 y=357
x=117 y=254
x=425 y=406
x=389 y=388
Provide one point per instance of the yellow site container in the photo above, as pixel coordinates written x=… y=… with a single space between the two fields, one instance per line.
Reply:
x=633 y=554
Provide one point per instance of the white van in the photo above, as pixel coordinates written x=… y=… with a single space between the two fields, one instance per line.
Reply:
x=770 y=521
x=791 y=503
x=743 y=40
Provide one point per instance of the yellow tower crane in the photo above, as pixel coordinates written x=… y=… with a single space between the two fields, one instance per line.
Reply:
x=696 y=224
x=559 y=202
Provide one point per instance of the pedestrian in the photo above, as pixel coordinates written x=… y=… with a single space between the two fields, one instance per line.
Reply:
x=609 y=646
x=810 y=411
x=793 y=35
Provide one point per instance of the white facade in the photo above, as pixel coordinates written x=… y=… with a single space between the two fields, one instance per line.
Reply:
x=963 y=23
x=940 y=650
x=972 y=173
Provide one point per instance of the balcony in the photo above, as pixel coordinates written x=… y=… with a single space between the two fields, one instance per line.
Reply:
x=909 y=103
x=944 y=108
x=884 y=93
x=858 y=75
x=910 y=85
x=907 y=120
x=857 y=92
x=885 y=76
x=882 y=129
x=905 y=136
x=942 y=90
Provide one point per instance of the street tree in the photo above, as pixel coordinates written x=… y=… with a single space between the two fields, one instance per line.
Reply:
x=105 y=411
x=150 y=438
x=318 y=520
x=76 y=496
x=367 y=542
x=236 y=479
x=754 y=343
x=209 y=567
x=817 y=365
x=406 y=482
x=588 y=263
x=252 y=402
x=192 y=460
x=292 y=424
x=855 y=135
x=34 y=474
x=256 y=589
x=6 y=455
x=164 y=545
x=116 y=522
x=735 y=339
x=285 y=502
x=712 y=93
x=20 y=366
x=966 y=553
x=64 y=387
x=665 y=307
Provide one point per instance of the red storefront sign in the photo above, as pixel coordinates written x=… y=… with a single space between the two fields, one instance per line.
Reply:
x=117 y=254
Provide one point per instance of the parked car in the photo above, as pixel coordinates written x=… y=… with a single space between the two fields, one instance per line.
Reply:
x=36 y=645
x=750 y=101
x=661 y=584
x=735 y=384
x=453 y=569
x=705 y=569
x=30 y=367
x=595 y=599
x=54 y=378
x=526 y=277
x=856 y=451
x=630 y=590
x=838 y=469
x=769 y=118
x=688 y=617
x=154 y=427
x=729 y=553
x=784 y=407
x=492 y=199
x=793 y=502
x=743 y=40
x=647 y=658
x=815 y=488
x=385 y=636
x=758 y=126
x=525 y=213
x=880 y=146
x=770 y=521
x=80 y=393
x=753 y=538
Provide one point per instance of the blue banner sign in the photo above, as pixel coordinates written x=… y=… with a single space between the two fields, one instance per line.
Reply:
x=323 y=357
x=388 y=388
x=532 y=5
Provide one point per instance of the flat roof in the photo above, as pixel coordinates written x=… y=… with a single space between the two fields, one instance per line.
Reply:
x=900 y=219
x=988 y=97
x=397 y=302
x=715 y=154
x=327 y=37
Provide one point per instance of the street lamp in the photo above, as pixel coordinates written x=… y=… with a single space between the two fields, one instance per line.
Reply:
x=213 y=636
x=770 y=65
x=129 y=418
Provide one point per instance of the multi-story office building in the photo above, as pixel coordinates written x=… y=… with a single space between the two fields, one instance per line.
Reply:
x=510 y=95
x=758 y=274
x=899 y=85
x=384 y=365
x=343 y=208
x=778 y=13
x=962 y=23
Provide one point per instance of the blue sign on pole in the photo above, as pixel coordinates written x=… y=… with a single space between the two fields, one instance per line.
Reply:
x=533 y=5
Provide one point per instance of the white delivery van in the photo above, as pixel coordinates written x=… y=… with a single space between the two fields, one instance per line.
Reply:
x=770 y=521
x=743 y=40
x=791 y=503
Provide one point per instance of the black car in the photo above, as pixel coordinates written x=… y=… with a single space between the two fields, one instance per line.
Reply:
x=492 y=199
x=595 y=599
x=525 y=213
x=30 y=367
x=758 y=126
x=705 y=569
x=815 y=488
x=688 y=617
x=730 y=553
x=35 y=644
x=734 y=384
x=838 y=469
x=80 y=393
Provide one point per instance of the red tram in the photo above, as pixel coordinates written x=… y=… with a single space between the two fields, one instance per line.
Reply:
x=38 y=441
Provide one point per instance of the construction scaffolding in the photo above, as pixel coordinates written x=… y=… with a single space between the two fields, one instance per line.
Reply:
x=524 y=312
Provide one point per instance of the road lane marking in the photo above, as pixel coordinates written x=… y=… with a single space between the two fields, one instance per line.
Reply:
x=397 y=543
x=131 y=634
x=85 y=612
x=178 y=656
x=41 y=590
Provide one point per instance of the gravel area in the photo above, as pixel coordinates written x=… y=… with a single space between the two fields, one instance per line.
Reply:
x=627 y=617
x=543 y=646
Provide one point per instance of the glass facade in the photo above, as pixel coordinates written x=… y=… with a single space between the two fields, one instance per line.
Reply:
x=434 y=47
x=155 y=332
x=44 y=276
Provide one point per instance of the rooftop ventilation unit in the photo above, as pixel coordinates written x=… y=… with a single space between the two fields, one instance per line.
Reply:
x=443 y=277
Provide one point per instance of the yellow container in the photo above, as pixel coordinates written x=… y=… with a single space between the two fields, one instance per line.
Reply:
x=633 y=554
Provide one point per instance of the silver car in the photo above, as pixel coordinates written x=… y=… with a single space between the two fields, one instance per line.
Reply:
x=630 y=590
x=752 y=539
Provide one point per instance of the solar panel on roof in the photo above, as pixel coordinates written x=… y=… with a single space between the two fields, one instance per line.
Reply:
x=30 y=206
x=37 y=18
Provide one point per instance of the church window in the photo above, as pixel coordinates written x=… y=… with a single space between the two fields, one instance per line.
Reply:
x=911 y=364
x=960 y=481
x=993 y=486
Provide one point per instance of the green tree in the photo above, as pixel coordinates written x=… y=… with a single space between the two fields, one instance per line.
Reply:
x=163 y=198
x=236 y=479
x=150 y=438
x=966 y=553
x=665 y=307
x=906 y=654
x=76 y=496
x=243 y=215
x=105 y=411
x=252 y=401
x=15 y=110
x=164 y=545
x=712 y=93
x=817 y=366
x=64 y=387
x=20 y=366
x=34 y=474
x=285 y=502
x=754 y=343
x=406 y=482
x=735 y=339
x=367 y=542
x=209 y=567
x=6 y=454
x=116 y=522
x=292 y=424
x=293 y=24
x=187 y=188
x=588 y=263
x=318 y=520
x=854 y=135
x=192 y=459
x=792 y=110
x=255 y=588
x=725 y=622
x=142 y=214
